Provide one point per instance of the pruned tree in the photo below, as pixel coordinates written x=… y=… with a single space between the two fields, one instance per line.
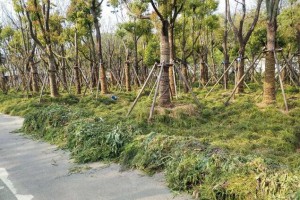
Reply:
x=272 y=9
x=38 y=18
x=242 y=35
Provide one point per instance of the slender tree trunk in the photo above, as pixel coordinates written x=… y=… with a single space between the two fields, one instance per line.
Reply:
x=76 y=67
x=269 y=82
x=241 y=69
x=34 y=77
x=93 y=63
x=136 y=82
x=225 y=49
x=165 y=100
x=203 y=67
x=172 y=58
x=298 y=41
x=185 y=74
x=127 y=73
x=52 y=73
x=63 y=69
x=102 y=74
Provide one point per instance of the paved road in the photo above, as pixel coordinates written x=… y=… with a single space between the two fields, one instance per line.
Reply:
x=33 y=170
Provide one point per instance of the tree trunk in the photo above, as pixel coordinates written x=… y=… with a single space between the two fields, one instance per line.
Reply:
x=63 y=69
x=34 y=77
x=203 y=67
x=298 y=41
x=3 y=83
x=52 y=73
x=241 y=70
x=226 y=65
x=172 y=58
x=136 y=82
x=269 y=82
x=76 y=67
x=185 y=74
x=165 y=100
x=225 y=49
x=102 y=74
x=127 y=74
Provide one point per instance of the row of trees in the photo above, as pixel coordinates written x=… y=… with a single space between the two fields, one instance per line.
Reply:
x=46 y=46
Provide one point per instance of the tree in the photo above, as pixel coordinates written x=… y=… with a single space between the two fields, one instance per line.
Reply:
x=272 y=9
x=242 y=36
x=95 y=9
x=38 y=16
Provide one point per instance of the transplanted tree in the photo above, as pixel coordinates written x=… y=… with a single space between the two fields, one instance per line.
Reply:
x=95 y=9
x=38 y=16
x=165 y=12
x=242 y=36
x=272 y=8
x=136 y=28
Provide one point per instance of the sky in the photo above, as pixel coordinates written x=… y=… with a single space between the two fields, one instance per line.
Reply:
x=108 y=20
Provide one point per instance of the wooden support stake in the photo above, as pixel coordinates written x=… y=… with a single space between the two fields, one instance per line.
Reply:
x=155 y=94
x=281 y=82
x=242 y=78
x=139 y=95
x=188 y=85
x=43 y=87
x=220 y=78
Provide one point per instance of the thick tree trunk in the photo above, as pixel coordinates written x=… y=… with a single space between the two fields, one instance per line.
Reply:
x=165 y=100
x=269 y=82
x=172 y=58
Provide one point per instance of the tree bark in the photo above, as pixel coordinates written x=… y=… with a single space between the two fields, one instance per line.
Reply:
x=52 y=73
x=165 y=100
x=185 y=74
x=172 y=58
x=225 y=49
x=76 y=67
x=269 y=96
x=127 y=74
x=63 y=68
x=203 y=67
x=241 y=70
x=102 y=74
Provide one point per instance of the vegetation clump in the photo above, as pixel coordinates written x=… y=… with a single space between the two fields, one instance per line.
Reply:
x=217 y=152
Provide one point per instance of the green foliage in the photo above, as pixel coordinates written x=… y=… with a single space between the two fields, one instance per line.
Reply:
x=93 y=140
x=151 y=54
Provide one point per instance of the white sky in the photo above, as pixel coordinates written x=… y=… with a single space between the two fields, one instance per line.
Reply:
x=108 y=18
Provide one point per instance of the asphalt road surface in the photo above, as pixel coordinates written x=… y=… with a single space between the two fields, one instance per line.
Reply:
x=34 y=170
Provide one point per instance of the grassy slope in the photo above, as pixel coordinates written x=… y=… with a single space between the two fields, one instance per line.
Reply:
x=238 y=151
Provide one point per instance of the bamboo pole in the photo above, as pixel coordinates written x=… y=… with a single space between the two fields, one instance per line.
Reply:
x=220 y=79
x=43 y=87
x=280 y=81
x=156 y=93
x=188 y=85
x=139 y=94
x=242 y=78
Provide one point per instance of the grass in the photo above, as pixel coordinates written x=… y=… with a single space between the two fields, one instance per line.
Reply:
x=240 y=151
